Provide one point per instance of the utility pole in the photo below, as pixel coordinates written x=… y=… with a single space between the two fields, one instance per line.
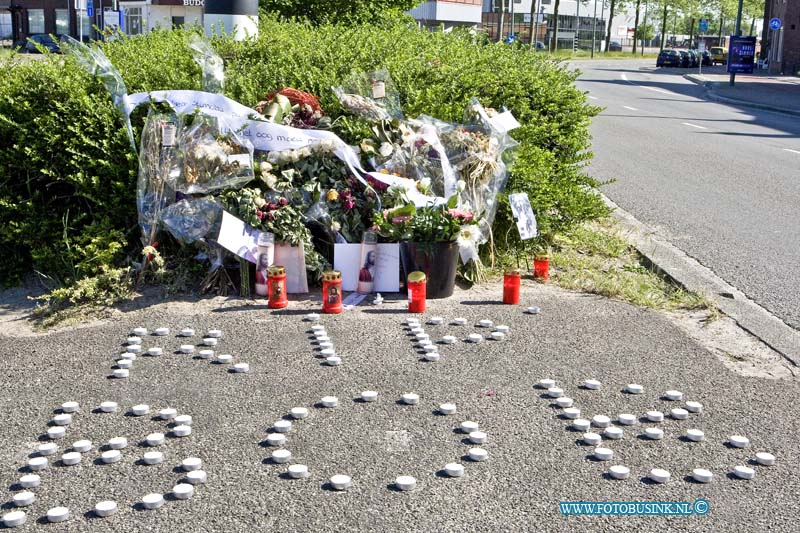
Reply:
x=636 y=24
x=644 y=32
x=577 y=25
x=594 y=27
x=737 y=33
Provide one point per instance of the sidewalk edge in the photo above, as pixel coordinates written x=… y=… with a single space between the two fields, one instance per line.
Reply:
x=712 y=95
x=693 y=276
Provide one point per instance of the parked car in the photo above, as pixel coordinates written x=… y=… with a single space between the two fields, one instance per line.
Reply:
x=540 y=45
x=719 y=55
x=686 y=59
x=694 y=60
x=668 y=58
x=42 y=39
x=614 y=46
x=708 y=59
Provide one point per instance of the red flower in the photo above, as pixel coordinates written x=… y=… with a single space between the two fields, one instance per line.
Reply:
x=272 y=207
x=260 y=214
x=349 y=205
x=283 y=202
x=270 y=216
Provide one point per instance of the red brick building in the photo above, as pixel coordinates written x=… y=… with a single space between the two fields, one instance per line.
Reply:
x=782 y=47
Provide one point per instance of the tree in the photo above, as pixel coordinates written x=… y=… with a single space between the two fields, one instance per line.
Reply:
x=554 y=45
x=321 y=11
x=636 y=25
x=613 y=6
x=502 y=20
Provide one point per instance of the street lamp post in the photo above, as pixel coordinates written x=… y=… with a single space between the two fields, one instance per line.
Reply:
x=737 y=33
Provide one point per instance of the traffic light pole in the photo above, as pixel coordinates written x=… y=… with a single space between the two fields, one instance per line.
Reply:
x=737 y=33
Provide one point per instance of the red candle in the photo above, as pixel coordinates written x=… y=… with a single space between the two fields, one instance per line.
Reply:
x=332 y=291
x=276 y=287
x=417 y=284
x=511 y=280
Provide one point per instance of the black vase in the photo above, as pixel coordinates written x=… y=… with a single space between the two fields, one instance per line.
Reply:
x=439 y=262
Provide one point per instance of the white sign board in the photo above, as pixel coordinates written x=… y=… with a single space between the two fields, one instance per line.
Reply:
x=701 y=47
x=523 y=214
x=347 y=259
x=80 y=5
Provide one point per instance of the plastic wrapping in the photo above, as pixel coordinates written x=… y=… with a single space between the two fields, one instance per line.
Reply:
x=213 y=156
x=210 y=62
x=372 y=96
x=192 y=220
x=158 y=171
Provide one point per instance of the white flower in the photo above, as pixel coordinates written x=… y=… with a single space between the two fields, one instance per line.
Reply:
x=386 y=149
x=461 y=185
x=326 y=145
x=470 y=235
x=265 y=167
x=304 y=152
x=292 y=156
x=400 y=186
x=335 y=226
x=425 y=183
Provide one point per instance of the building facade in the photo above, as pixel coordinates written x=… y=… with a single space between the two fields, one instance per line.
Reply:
x=448 y=14
x=782 y=47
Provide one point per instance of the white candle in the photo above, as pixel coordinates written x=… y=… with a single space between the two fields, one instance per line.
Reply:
x=341 y=482
x=654 y=433
x=161 y=332
x=533 y=310
x=601 y=421
x=432 y=356
x=591 y=439
x=694 y=407
x=634 y=388
x=454 y=469
x=24 y=499
x=581 y=424
x=140 y=332
x=56 y=432
x=276 y=439
x=613 y=432
x=737 y=441
x=369 y=395
x=63 y=419
x=478 y=437
x=766 y=459
x=167 y=414
x=564 y=402
x=459 y=321
x=70 y=407
x=679 y=414
x=57 y=514
x=298 y=471
x=197 y=477
x=592 y=384
x=182 y=431
x=183 y=491
x=603 y=454
x=627 y=419
x=187 y=348
x=121 y=373
x=555 y=392
x=655 y=416
x=71 y=458
x=744 y=472
x=125 y=363
x=205 y=354
x=210 y=341
x=105 y=508
x=214 y=334
x=435 y=320
x=298 y=412
x=14 y=519
x=405 y=483
x=695 y=435
x=224 y=359
x=29 y=481
x=152 y=501
x=282 y=426
x=658 y=475
x=478 y=454
x=619 y=472
x=448 y=339
x=38 y=463
x=281 y=456
x=187 y=332
x=673 y=395
x=448 y=408
x=485 y=323
x=111 y=456
x=192 y=463
x=701 y=475
x=153 y=458
x=48 y=448
x=329 y=401
x=183 y=420
x=410 y=398
x=241 y=368
x=155 y=439
x=468 y=426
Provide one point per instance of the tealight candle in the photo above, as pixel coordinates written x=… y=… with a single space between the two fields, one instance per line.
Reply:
x=410 y=398
x=417 y=330
x=423 y=336
x=298 y=412
x=187 y=348
x=601 y=421
x=555 y=392
x=209 y=341
x=63 y=419
x=485 y=323
x=744 y=472
x=241 y=368
x=564 y=402
x=412 y=320
x=431 y=348
x=298 y=471
x=167 y=414
x=432 y=356
x=153 y=458
x=282 y=426
x=191 y=463
x=224 y=359
x=187 y=332
x=534 y=310
x=405 y=483
x=111 y=456
x=571 y=412
x=155 y=439
x=133 y=340
x=48 y=448
x=655 y=416
x=459 y=321
x=214 y=334
x=701 y=475
x=369 y=395
x=613 y=433
x=140 y=410
x=183 y=420
x=311 y=317
x=105 y=508
x=281 y=456
x=694 y=407
x=182 y=431
x=329 y=401
x=603 y=454
x=276 y=439
x=14 y=519
x=654 y=433
x=591 y=439
x=448 y=409
x=333 y=360
x=765 y=459
x=152 y=501
x=183 y=491
x=658 y=475
x=502 y=329
x=448 y=339
x=673 y=395
x=327 y=352
x=24 y=499
x=205 y=354
x=71 y=458
x=627 y=419
x=424 y=342
x=38 y=463
x=592 y=384
x=70 y=407
x=435 y=320
x=197 y=477
x=161 y=332
x=581 y=424
x=679 y=414
x=29 y=481
x=468 y=426
x=547 y=383
x=128 y=357
x=326 y=345
x=58 y=514
x=56 y=432
x=133 y=348
x=317 y=327
x=478 y=437
x=121 y=373
x=454 y=469
x=737 y=441
x=341 y=482
x=619 y=472
x=695 y=435
x=497 y=335
x=634 y=388
x=478 y=454
x=140 y=332
x=125 y=363
x=322 y=337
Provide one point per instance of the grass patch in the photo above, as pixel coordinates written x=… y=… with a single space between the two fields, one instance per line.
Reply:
x=587 y=54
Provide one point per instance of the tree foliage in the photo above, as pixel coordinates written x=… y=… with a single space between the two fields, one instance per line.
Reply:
x=349 y=11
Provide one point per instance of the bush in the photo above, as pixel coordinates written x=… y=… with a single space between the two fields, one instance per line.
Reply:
x=67 y=173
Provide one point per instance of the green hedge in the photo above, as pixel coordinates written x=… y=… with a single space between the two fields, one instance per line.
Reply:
x=67 y=174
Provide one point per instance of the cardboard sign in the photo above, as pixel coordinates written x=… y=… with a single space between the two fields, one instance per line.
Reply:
x=523 y=214
x=385 y=273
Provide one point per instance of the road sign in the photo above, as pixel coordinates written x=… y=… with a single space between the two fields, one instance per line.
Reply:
x=741 y=54
x=775 y=24
x=90 y=8
x=701 y=46
x=703 y=25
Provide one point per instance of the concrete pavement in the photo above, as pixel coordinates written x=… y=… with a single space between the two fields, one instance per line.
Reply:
x=758 y=90
x=535 y=461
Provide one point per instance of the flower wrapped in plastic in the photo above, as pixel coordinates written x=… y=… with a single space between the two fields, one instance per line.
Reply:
x=370 y=95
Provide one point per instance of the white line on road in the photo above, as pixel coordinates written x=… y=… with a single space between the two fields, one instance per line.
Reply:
x=793 y=151
x=656 y=89
x=694 y=125
x=631 y=108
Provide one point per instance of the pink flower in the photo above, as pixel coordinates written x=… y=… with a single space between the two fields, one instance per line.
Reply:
x=260 y=214
x=270 y=216
x=272 y=207
x=400 y=220
x=349 y=205
x=283 y=202
x=460 y=214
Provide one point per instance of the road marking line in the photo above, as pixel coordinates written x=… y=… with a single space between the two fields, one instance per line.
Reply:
x=793 y=151
x=694 y=126
x=631 y=108
x=625 y=78
x=594 y=98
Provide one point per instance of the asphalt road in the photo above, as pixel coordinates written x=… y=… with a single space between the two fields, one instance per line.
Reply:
x=719 y=181
x=535 y=462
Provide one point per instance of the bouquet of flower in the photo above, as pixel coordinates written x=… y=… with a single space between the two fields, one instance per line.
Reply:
x=294 y=108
